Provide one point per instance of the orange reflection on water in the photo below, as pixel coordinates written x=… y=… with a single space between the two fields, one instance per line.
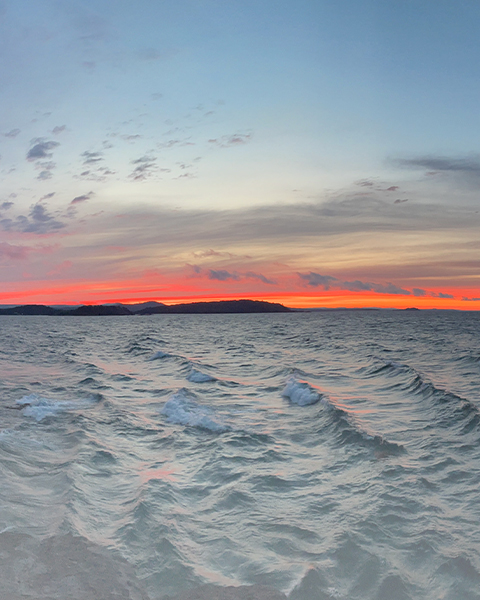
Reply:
x=160 y=473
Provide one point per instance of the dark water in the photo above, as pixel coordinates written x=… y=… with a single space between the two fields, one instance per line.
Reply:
x=326 y=455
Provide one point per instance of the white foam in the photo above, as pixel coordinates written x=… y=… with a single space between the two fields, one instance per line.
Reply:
x=198 y=377
x=183 y=410
x=159 y=354
x=300 y=392
x=40 y=408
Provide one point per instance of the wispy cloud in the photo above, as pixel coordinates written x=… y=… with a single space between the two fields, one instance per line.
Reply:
x=91 y=158
x=47 y=196
x=12 y=134
x=145 y=168
x=260 y=277
x=225 y=275
x=227 y=141
x=82 y=198
x=328 y=282
x=59 y=129
x=14 y=252
x=222 y=275
x=470 y=164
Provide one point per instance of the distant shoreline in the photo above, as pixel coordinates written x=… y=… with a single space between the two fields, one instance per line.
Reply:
x=150 y=308
x=243 y=306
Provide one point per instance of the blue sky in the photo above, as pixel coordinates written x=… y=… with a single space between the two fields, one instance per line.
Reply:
x=206 y=106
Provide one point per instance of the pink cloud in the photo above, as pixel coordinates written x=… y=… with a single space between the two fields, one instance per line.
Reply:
x=14 y=252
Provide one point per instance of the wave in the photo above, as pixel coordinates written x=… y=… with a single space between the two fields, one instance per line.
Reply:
x=454 y=409
x=346 y=430
x=182 y=409
x=300 y=392
x=159 y=355
x=40 y=408
x=198 y=377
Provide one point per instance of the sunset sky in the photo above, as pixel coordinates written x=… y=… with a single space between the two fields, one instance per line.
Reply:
x=311 y=152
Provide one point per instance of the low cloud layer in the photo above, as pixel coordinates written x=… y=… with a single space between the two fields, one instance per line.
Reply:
x=225 y=275
x=328 y=282
x=437 y=163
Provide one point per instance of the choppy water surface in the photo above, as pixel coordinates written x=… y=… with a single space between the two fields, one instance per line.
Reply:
x=326 y=455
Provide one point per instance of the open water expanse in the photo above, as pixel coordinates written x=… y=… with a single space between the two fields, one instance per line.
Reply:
x=330 y=455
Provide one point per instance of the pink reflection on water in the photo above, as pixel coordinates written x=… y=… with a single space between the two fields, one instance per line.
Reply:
x=160 y=473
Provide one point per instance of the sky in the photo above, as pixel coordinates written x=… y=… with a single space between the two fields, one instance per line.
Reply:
x=315 y=153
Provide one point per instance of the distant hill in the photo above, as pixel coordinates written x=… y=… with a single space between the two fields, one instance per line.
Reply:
x=100 y=310
x=149 y=308
x=220 y=307
x=135 y=308
x=31 y=309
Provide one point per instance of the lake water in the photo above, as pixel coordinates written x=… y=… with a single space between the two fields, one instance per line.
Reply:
x=329 y=455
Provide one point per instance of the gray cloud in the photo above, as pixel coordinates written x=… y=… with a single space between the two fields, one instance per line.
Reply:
x=133 y=137
x=6 y=205
x=400 y=200
x=41 y=149
x=91 y=158
x=419 y=292
x=59 y=129
x=12 y=134
x=464 y=299
x=329 y=282
x=44 y=175
x=364 y=183
x=83 y=198
x=145 y=167
x=260 y=277
x=437 y=163
x=379 y=288
x=39 y=221
x=316 y=280
x=308 y=223
x=47 y=196
x=227 y=141
x=222 y=275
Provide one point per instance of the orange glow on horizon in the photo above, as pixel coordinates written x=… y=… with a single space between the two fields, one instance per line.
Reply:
x=131 y=292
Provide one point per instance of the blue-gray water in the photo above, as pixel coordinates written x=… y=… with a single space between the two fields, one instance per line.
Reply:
x=326 y=455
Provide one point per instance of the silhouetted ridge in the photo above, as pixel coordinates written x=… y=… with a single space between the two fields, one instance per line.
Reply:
x=99 y=310
x=222 y=306
x=152 y=308
x=31 y=309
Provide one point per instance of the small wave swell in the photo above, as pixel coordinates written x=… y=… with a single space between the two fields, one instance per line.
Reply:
x=182 y=409
x=40 y=408
x=159 y=355
x=300 y=392
x=198 y=377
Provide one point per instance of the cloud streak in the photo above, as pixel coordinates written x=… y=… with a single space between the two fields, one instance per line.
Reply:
x=327 y=282
x=224 y=275
x=437 y=163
